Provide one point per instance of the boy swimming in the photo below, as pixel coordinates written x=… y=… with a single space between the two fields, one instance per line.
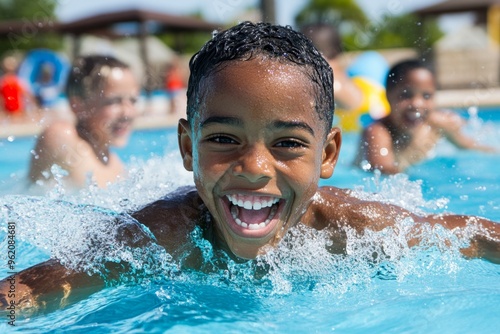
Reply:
x=102 y=92
x=258 y=137
x=414 y=125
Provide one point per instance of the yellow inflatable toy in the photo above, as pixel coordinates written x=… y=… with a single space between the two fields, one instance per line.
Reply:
x=368 y=72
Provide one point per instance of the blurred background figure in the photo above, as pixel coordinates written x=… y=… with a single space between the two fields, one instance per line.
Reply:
x=359 y=89
x=46 y=72
x=102 y=93
x=14 y=93
x=414 y=125
x=175 y=86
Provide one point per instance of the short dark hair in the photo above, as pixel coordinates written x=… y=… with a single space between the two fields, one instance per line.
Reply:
x=88 y=74
x=400 y=70
x=248 y=40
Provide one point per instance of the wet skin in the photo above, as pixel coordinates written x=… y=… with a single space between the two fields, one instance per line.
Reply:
x=257 y=157
x=106 y=117
x=411 y=102
x=104 y=120
x=412 y=129
x=256 y=138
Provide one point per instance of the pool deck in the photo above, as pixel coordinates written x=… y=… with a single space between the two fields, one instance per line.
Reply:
x=156 y=116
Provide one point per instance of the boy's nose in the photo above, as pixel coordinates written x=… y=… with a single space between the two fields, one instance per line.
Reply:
x=254 y=164
x=418 y=101
x=128 y=107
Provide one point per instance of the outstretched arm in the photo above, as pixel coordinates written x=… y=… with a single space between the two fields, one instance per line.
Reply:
x=50 y=285
x=451 y=125
x=485 y=241
x=345 y=209
x=46 y=286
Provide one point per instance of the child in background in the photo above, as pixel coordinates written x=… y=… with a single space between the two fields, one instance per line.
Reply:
x=258 y=137
x=358 y=89
x=175 y=85
x=413 y=127
x=326 y=39
x=14 y=93
x=102 y=93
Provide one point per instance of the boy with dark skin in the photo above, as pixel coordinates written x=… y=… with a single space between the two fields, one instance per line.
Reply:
x=258 y=137
x=414 y=125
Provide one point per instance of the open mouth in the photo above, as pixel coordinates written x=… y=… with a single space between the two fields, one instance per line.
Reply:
x=121 y=127
x=253 y=212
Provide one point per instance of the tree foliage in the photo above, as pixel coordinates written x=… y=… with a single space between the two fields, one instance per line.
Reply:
x=29 y=13
x=360 y=33
x=337 y=12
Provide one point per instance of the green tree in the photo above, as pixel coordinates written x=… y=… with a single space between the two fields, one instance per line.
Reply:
x=403 y=31
x=30 y=16
x=360 y=33
x=344 y=14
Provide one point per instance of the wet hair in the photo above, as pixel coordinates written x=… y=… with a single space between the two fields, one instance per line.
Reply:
x=89 y=73
x=246 y=41
x=399 y=72
x=325 y=37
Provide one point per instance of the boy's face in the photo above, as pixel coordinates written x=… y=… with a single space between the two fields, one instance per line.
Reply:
x=257 y=149
x=113 y=110
x=413 y=99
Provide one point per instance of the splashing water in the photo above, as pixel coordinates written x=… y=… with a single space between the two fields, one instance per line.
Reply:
x=379 y=285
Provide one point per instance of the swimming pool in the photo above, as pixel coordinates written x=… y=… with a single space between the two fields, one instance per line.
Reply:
x=428 y=289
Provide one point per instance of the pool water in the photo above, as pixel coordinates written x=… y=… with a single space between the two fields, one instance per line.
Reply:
x=425 y=289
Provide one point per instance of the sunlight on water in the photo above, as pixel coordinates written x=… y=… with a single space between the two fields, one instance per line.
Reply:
x=379 y=285
x=73 y=224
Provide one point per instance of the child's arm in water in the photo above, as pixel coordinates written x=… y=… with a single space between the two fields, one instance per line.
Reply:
x=47 y=286
x=451 y=126
x=337 y=209
x=50 y=285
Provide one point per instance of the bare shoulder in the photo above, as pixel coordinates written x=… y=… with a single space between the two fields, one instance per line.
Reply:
x=57 y=134
x=337 y=208
x=376 y=130
x=445 y=120
x=172 y=218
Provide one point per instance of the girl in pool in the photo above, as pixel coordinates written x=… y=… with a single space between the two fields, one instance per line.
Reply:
x=258 y=137
x=413 y=127
x=102 y=93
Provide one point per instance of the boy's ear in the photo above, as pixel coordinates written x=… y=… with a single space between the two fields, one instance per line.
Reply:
x=185 y=144
x=331 y=152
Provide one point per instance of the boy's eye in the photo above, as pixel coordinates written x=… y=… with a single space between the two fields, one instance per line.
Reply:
x=221 y=139
x=290 y=144
x=427 y=96
x=116 y=100
x=406 y=94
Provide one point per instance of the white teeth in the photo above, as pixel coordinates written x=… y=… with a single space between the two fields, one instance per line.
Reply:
x=257 y=205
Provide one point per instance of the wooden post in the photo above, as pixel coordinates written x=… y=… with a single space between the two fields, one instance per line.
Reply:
x=268 y=9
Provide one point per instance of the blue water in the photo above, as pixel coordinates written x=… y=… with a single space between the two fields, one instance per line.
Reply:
x=428 y=289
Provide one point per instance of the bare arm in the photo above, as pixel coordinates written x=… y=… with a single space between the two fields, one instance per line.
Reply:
x=50 y=285
x=346 y=210
x=451 y=126
x=347 y=94
x=46 y=286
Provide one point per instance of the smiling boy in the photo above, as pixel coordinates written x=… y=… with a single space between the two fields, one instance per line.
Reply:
x=102 y=92
x=414 y=125
x=258 y=137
